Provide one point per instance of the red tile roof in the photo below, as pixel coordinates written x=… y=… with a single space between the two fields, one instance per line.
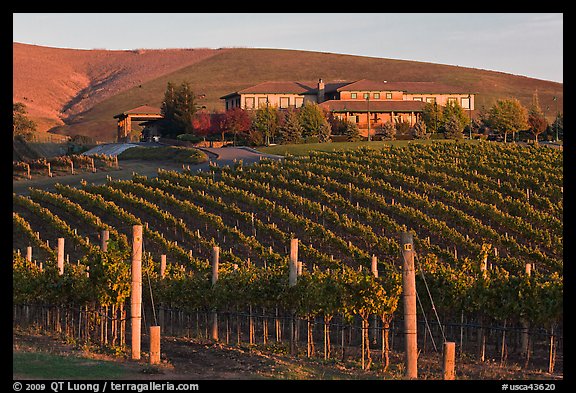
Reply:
x=281 y=87
x=408 y=87
x=143 y=109
x=359 y=85
x=375 y=106
x=287 y=88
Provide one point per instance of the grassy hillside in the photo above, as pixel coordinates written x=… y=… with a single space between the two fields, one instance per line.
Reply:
x=235 y=69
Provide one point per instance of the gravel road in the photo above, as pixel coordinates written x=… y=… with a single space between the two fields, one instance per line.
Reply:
x=221 y=156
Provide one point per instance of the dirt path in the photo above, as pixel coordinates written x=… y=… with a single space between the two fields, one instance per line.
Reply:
x=225 y=156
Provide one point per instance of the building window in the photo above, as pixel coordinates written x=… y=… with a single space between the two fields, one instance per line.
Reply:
x=417 y=98
x=352 y=95
x=284 y=102
x=366 y=96
x=452 y=100
x=465 y=103
x=388 y=96
x=377 y=96
x=249 y=102
x=430 y=100
x=262 y=101
x=298 y=102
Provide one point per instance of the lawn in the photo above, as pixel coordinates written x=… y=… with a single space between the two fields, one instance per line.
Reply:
x=304 y=149
x=43 y=365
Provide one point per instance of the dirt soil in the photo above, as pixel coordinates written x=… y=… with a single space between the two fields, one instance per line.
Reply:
x=222 y=156
x=201 y=359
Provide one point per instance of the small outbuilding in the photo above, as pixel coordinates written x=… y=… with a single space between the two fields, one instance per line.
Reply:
x=142 y=113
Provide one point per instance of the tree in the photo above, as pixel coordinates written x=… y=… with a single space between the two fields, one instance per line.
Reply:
x=536 y=120
x=237 y=121
x=178 y=109
x=420 y=131
x=21 y=124
x=201 y=123
x=558 y=126
x=454 y=121
x=290 y=129
x=266 y=122
x=506 y=116
x=314 y=122
x=388 y=131
x=432 y=116
x=352 y=132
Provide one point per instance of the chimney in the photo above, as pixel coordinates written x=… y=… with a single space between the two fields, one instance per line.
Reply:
x=320 y=91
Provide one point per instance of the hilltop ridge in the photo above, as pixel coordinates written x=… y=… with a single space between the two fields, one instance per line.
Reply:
x=72 y=91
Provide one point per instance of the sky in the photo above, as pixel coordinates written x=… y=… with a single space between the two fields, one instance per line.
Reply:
x=528 y=44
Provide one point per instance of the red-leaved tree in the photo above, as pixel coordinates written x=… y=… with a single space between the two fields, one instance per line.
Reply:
x=236 y=121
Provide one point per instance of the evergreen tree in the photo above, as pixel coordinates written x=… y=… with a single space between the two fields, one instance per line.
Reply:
x=419 y=131
x=290 y=129
x=454 y=120
x=178 y=109
x=388 y=131
x=352 y=132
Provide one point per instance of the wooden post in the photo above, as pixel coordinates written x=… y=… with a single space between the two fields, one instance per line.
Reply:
x=71 y=167
x=449 y=361
x=524 y=335
x=29 y=253
x=49 y=171
x=60 y=256
x=374 y=266
x=104 y=240
x=409 y=298
x=215 y=262
x=162 y=265
x=374 y=270
x=292 y=279
x=136 y=294
x=293 y=272
x=154 y=344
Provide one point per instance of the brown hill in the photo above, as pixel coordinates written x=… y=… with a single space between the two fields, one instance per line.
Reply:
x=56 y=84
x=84 y=89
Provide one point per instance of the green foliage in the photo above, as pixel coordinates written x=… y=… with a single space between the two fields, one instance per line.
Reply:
x=432 y=117
x=265 y=121
x=21 y=125
x=388 y=131
x=290 y=129
x=454 y=120
x=173 y=153
x=352 y=132
x=507 y=116
x=420 y=131
x=178 y=108
x=314 y=123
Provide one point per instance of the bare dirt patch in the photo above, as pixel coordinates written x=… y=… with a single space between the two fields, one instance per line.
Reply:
x=201 y=359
